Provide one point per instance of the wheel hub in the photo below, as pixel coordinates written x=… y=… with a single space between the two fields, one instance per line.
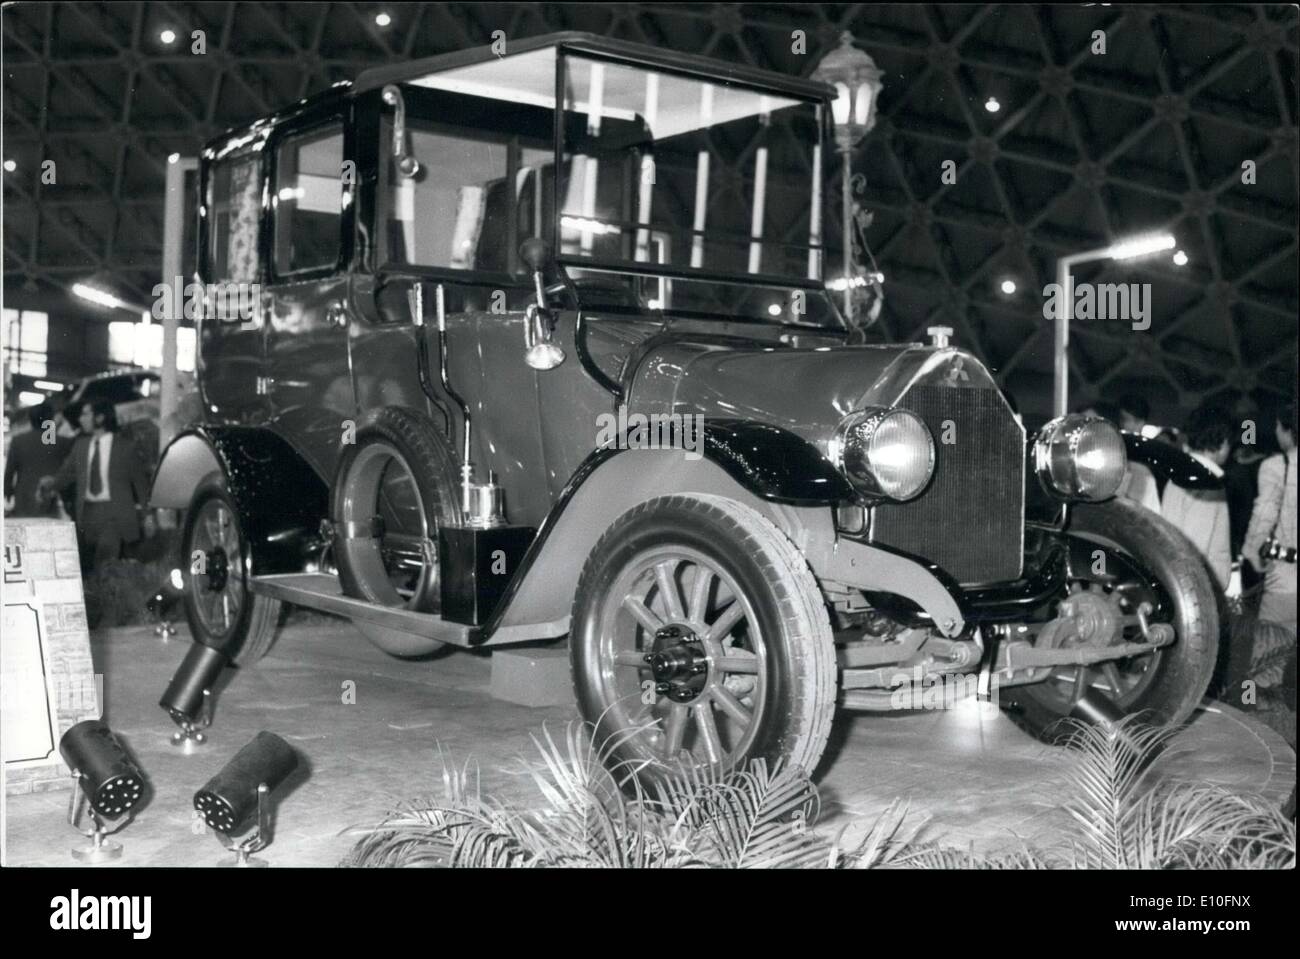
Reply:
x=218 y=568
x=678 y=663
x=1095 y=619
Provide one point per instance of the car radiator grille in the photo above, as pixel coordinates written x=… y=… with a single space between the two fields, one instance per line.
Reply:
x=970 y=518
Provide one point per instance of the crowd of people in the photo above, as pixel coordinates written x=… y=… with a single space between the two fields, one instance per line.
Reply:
x=96 y=475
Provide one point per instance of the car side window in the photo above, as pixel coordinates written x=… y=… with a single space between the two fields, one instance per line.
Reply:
x=234 y=201
x=455 y=212
x=307 y=200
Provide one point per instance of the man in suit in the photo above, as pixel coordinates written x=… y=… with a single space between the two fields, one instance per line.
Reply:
x=111 y=486
x=32 y=455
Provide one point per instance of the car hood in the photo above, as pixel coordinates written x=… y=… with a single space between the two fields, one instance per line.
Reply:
x=805 y=390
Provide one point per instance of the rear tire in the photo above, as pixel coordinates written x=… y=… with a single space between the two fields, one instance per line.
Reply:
x=221 y=611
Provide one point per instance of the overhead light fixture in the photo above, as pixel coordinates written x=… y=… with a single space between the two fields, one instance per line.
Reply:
x=108 y=782
x=173 y=158
x=992 y=105
x=10 y=166
x=1008 y=286
x=48 y=385
x=1141 y=246
x=167 y=36
x=1129 y=249
x=97 y=296
x=774 y=309
x=383 y=19
x=1180 y=258
x=188 y=697
x=243 y=787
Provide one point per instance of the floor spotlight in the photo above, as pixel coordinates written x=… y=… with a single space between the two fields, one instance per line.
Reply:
x=242 y=788
x=188 y=697
x=164 y=601
x=108 y=781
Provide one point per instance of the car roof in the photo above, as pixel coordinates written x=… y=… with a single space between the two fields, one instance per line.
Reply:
x=592 y=43
x=411 y=70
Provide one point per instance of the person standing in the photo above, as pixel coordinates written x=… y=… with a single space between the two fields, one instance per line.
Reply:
x=1272 y=530
x=33 y=455
x=110 y=503
x=1202 y=514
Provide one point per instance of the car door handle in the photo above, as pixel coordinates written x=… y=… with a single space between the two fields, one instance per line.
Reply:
x=335 y=314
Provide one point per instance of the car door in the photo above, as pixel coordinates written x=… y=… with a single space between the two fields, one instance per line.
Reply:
x=306 y=300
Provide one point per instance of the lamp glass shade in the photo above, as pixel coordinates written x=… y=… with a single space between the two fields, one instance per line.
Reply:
x=840 y=107
x=863 y=103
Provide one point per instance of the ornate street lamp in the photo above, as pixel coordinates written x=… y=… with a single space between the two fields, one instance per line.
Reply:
x=857 y=81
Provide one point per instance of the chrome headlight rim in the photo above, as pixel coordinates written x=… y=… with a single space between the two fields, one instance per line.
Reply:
x=1063 y=435
x=850 y=452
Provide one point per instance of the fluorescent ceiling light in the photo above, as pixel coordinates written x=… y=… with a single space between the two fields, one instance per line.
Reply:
x=1141 y=246
x=97 y=296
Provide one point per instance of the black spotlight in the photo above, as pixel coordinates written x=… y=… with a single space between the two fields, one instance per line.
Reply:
x=243 y=788
x=164 y=601
x=188 y=697
x=108 y=780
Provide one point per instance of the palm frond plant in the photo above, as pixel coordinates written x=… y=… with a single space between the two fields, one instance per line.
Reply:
x=1128 y=818
x=592 y=813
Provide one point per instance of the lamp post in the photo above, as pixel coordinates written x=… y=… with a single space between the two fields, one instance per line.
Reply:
x=857 y=83
x=1130 y=249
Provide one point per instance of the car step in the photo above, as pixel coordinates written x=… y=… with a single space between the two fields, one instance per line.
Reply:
x=322 y=591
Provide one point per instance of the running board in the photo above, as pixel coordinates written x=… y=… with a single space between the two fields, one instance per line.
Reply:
x=322 y=591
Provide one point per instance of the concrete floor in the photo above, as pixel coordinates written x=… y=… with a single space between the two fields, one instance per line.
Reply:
x=979 y=778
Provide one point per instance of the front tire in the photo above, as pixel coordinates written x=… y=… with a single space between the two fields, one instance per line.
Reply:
x=221 y=611
x=700 y=638
x=1163 y=687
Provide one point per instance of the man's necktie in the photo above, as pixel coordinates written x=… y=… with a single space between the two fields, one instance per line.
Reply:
x=96 y=481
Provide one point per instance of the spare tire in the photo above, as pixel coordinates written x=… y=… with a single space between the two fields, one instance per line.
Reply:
x=394 y=489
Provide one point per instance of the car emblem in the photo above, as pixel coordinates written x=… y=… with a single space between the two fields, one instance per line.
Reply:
x=957 y=372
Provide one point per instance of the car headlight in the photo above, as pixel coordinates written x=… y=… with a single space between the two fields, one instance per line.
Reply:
x=1080 y=457
x=884 y=453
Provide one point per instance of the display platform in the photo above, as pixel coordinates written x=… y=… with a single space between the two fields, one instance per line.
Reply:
x=369 y=728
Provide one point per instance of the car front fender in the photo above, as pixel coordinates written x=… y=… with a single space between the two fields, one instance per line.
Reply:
x=1169 y=463
x=610 y=482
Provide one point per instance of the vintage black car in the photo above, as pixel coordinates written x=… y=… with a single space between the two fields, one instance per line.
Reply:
x=541 y=345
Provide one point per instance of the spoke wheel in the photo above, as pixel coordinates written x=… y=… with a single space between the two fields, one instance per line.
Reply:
x=676 y=625
x=700 y=639
x=1148 y=569
x=221 y=611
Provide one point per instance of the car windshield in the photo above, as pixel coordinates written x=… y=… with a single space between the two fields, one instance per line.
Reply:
x=697 y=196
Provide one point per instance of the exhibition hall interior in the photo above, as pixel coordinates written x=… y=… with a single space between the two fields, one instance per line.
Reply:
x=641 y=434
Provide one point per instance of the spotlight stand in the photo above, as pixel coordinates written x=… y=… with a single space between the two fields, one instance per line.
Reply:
x=100 y=848
x=258 y=841
x=191 y=732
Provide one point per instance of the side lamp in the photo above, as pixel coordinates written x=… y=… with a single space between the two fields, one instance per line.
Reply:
x=243 y=787
x=109 y=783
x=188 y=697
